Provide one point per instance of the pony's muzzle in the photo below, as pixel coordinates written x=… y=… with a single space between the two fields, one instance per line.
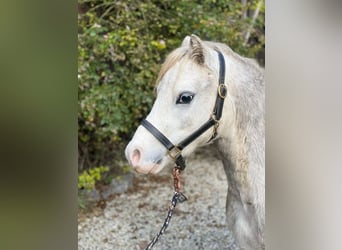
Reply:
x=135 y=159
x=142 y=162
x=134 y=156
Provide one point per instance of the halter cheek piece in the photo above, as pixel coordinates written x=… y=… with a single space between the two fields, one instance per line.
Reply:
x=175 y=151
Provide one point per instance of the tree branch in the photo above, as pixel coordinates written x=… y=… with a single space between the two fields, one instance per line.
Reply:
x=250 y=27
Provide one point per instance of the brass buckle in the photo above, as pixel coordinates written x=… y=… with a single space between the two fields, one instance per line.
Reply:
x=222 y=90
x=174 y=152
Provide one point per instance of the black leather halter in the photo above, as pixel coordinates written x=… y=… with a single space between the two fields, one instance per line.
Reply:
x=175 y=151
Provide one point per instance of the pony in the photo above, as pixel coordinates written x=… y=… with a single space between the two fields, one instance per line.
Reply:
x=186 y=91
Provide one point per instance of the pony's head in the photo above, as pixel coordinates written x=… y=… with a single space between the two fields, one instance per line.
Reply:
x=186 y=93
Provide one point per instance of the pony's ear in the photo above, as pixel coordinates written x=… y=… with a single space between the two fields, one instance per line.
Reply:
x=197 y=50
x=186 y=41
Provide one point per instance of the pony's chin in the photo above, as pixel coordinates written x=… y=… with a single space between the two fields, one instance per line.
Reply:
x=149 y=169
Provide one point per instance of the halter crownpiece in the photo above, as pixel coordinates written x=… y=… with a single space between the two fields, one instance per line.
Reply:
x=175 y=151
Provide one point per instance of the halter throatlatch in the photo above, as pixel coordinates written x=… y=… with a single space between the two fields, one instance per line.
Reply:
x=175 y=151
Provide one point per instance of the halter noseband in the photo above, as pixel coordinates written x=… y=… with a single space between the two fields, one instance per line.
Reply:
x=175 y=151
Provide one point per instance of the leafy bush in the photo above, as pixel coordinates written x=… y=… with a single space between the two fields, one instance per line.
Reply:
x=121 y=47
x=88 y=178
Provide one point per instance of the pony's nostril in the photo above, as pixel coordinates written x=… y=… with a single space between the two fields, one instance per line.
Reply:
x=136 y=157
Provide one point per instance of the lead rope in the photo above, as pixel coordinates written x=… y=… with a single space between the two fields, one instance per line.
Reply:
x=177 y=197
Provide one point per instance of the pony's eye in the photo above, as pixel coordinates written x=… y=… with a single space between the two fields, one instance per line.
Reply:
x=185 y=98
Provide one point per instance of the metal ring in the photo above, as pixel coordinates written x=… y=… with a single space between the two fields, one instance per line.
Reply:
x=222 y=90
x=174 y=152
x=213 y=116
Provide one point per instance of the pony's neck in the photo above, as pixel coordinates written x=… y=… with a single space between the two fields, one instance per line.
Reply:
x=242 y=128
x=234 y=157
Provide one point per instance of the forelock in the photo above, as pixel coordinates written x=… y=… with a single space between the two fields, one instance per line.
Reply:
x=174 y=57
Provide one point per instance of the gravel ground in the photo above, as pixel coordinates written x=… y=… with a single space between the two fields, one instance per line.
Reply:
x=131 y=219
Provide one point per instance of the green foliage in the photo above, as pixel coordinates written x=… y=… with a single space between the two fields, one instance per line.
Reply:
x=121 y=47
x=88 y=178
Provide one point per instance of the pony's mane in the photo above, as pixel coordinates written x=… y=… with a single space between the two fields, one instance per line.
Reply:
x=179 y=53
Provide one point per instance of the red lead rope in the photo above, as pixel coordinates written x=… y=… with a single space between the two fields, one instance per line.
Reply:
x=177 y=184
x=176 y=179
x=177 y=197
